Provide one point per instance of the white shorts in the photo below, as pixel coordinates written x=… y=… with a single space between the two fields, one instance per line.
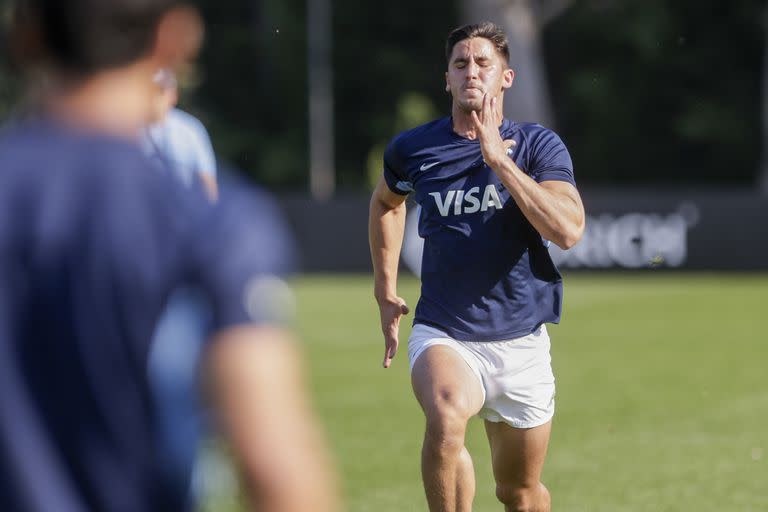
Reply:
x=515 y=375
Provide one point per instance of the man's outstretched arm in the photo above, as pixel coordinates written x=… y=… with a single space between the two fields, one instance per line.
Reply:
x=257 y=387
x=386 y=225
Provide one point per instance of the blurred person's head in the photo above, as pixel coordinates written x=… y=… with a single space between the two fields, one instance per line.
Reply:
x=478 y=63
x=97 y=58
x=167 y=94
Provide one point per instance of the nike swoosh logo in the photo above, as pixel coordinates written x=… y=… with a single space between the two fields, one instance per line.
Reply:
x=424 y=167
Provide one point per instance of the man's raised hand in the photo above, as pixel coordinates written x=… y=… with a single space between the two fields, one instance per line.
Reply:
x=486 y=125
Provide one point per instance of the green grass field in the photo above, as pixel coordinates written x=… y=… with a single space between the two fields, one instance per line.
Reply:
x=662 y=401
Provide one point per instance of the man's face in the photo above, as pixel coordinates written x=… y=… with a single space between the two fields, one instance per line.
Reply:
x=475 y=69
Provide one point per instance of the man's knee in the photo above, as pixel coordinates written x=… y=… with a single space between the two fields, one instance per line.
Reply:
x=446 y=423
x=523 y=499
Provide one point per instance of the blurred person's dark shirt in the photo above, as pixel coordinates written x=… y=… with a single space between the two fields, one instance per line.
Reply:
x=93 y=240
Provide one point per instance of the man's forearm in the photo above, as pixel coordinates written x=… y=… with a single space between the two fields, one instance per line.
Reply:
x=386 y=226
x=257 y=385
x=556 y=216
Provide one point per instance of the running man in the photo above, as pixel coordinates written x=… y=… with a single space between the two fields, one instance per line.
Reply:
x=493 y=192
x=92 y=241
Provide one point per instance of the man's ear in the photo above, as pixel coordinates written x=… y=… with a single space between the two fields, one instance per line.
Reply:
x=507 y=78
x=178 y=39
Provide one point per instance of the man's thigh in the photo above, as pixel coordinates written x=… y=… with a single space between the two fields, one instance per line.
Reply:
x=443 y=382
x=518 y=454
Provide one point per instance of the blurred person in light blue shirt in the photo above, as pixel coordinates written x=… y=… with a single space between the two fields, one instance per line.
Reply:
x=178 y=140
x=178 y=143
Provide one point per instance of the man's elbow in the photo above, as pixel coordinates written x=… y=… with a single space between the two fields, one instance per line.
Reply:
x=380 y=206
x=569 y=237
x=375 y=204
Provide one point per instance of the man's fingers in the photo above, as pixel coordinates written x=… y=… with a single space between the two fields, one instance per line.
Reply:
x=498 y=117
x=475 y=120
x=390 y=322
x=393 y=349
x=390 y=342
x=390 y=349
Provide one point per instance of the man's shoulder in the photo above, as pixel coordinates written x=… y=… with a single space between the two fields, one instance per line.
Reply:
x=534 y=132
x=183 y=118
x=420 y=136
x=41 y=146
x=185 y=125
x=530 y=128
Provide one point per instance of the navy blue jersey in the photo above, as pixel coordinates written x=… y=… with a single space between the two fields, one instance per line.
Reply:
x=93 y=240
x=486 y=272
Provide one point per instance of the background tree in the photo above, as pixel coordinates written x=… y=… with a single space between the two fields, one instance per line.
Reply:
x=8 y=82
x=523 y=21
x=659 y=92
x=643 y=92
x=762 y=180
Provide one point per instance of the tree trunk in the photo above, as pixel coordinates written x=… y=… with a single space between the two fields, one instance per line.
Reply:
x=522 y=20
x=762 y=176
x=322 y=169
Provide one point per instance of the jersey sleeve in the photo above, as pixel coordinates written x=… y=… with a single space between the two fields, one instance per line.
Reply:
x=551 y=160
x=244 y=254
x=394 y=173
x=205 y=159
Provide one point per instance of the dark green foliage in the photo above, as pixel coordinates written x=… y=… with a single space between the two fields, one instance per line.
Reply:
x=384 y=51
x=253 y=96
x=650 y=91
x=8 y=83
x=253 y=92
x=659 y=91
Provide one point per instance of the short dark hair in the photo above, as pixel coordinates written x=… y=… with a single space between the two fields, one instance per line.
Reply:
x=484 y=29
x=86 y=36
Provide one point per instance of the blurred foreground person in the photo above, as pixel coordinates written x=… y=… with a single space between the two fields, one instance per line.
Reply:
x=92 y=242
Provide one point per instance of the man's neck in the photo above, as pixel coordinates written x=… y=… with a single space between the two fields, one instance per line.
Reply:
x=114 y=102
x=462 y=121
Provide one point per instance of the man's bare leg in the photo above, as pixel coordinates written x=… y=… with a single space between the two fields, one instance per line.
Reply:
x=518 y=458
x=449 y=394
x=465 y=481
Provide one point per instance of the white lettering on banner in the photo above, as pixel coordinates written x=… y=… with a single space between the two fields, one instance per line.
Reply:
x=634 y=240
x=467 y=202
